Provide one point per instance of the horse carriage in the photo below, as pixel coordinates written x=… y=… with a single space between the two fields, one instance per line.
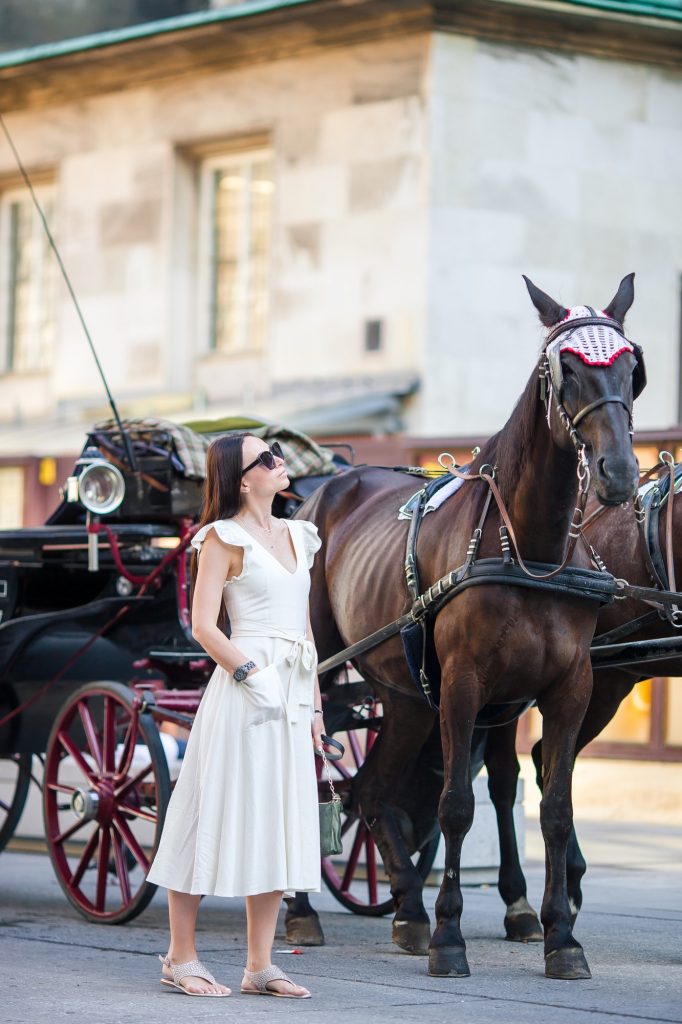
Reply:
x=102 y=592
x=101 y=675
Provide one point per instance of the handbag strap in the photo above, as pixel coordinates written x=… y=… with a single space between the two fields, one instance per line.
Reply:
x=325 y=767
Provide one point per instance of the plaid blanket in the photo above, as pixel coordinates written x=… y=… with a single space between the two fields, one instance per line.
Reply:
x=188 y=444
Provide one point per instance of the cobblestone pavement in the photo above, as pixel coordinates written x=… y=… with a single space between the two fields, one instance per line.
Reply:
x=58 y=967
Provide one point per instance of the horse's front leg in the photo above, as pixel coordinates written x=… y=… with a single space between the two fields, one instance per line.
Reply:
x=521 y=922
x=447 y=950
x=404 y=730
x=562 y=709
x=301 y=923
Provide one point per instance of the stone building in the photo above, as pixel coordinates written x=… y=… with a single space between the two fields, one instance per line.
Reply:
x=318 y=212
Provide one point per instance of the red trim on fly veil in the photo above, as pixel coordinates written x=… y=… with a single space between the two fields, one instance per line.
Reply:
x=597 y=362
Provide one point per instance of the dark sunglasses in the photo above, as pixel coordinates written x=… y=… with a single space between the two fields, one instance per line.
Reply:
x=266 y=458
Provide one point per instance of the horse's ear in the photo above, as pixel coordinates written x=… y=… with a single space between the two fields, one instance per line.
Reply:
x=550 y=311
x=622 y=300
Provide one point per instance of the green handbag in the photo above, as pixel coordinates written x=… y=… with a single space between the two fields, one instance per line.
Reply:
x=330 y=810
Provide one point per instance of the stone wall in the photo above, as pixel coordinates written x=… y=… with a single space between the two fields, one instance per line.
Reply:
x=566 y=168
x=347 y=133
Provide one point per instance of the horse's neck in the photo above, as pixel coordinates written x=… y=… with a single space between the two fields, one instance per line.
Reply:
x=542 y=495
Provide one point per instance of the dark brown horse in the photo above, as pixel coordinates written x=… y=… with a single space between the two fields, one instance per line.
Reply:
x=619 y=541
x=493 y=643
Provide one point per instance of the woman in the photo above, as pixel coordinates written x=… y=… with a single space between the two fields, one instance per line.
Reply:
x=243 y=818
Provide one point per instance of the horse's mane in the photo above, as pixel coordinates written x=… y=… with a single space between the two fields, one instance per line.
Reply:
x=508 y=449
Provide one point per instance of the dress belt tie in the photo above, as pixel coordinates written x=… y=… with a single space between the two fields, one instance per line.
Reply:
x=301 y=659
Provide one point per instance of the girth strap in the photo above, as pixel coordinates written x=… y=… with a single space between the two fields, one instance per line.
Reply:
x=573 y=582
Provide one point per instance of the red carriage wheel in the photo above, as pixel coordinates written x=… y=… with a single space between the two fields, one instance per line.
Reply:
x=15 y=770
x=360 y=884
x=105 y=793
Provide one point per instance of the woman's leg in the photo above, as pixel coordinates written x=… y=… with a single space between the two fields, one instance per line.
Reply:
x=182 y=914
x=261 y=922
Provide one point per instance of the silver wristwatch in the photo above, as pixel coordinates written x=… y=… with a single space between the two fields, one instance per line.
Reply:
x=240 y=674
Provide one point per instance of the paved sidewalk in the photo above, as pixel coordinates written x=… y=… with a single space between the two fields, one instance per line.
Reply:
x=58 y=967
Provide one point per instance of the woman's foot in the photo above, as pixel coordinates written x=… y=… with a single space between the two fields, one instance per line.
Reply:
x=177 y=973
x=272 y=981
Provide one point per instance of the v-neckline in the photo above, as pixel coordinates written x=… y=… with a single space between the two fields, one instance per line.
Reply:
x=270 y=554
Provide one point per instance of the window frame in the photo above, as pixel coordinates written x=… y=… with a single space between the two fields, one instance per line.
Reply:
x=9 y=196
x=210 y=165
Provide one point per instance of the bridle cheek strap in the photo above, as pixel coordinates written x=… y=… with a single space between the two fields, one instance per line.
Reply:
x=599 y=402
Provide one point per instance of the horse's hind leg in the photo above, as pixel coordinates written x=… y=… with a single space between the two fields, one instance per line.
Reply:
x=405 y=728
x=521 y=922
x=562 y=716
x=301 y=923
x=576 y=866
x=609 y=691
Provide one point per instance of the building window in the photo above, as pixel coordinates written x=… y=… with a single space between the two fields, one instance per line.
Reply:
x=237 y=192
x=374 y=335
x=29 y=282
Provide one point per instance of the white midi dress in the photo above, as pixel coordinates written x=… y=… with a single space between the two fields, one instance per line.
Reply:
x=243 y=817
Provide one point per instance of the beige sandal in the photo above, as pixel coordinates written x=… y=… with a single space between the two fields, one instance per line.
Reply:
x=192 y=969
x=261 y=979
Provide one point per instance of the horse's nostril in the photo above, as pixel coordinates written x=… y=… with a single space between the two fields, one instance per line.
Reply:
x=601 y=470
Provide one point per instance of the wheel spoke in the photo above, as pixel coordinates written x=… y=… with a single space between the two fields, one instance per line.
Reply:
x=4 y=806
x=342 y=770
x=355 y=747
x=102 y=868
x=353 y=858
x=371 y=858
x=135 y=781
x=90 y=732
x=85 y=860
x=139 y=812
x=75 y=753
x=131 y=841
x=71 y=831
x=128 y=747
x=109 y=735
x=121 y=866
x=59 y=787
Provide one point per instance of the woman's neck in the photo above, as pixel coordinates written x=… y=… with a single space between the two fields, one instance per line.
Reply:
x=259 y=513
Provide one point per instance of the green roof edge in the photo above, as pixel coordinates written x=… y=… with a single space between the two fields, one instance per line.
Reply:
x=99 y=40
x=637 y=8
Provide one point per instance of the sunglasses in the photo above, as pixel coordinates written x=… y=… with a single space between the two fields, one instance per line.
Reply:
x=266 y=458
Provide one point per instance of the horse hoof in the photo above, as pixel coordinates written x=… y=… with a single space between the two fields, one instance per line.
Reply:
x=567 y=964
x=412 y=936
x=523 y=928
x=448 y=962
x=304 y=931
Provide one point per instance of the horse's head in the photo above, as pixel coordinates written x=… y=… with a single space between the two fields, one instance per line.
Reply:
x=590 y=375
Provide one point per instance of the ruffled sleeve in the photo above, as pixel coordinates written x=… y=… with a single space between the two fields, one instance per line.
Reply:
x=311 y=540
x=228 y=533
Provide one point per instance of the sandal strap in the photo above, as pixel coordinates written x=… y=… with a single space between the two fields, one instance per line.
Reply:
x=261 y=979
x=190 y=969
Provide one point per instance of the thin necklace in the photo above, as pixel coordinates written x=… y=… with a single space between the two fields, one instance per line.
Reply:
x=264 y=529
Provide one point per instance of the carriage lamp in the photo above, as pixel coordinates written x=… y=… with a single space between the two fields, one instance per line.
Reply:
x=101 y=487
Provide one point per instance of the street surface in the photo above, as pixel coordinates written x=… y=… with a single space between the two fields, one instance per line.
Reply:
x=58 y=967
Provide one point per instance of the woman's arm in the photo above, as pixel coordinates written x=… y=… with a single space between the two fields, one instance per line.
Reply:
x=218 y=563
x=317 y=727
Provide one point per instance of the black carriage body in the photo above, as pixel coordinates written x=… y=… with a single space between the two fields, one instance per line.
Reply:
x=54 y=610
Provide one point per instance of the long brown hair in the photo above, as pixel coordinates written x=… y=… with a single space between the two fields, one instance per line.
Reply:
x=221 y=495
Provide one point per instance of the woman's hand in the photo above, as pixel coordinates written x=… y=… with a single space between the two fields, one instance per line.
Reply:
x=317 y=729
